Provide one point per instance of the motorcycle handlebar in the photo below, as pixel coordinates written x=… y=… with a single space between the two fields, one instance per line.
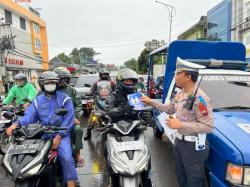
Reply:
x=59 y=128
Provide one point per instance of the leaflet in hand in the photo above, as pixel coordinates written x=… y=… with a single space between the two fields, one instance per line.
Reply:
x=134 y=100
x=168 y=131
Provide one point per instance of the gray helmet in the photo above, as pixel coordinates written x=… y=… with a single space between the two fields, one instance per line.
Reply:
x=47 y=76
x=20 y=76
x=62 y=72
x=125 y=74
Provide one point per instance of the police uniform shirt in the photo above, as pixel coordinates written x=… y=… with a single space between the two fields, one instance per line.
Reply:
x=198 y=120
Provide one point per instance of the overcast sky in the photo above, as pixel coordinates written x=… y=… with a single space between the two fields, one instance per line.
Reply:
x=117 y=29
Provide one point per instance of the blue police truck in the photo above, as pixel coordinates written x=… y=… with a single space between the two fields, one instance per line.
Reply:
x=228 y=85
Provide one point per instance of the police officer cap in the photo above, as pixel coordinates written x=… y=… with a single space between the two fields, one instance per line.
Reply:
x=183 y=65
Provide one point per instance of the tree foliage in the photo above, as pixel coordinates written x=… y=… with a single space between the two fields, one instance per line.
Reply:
x=141 y=65
x=132 y=64
x=76 y=56
x=64 y=58
x=143 y=62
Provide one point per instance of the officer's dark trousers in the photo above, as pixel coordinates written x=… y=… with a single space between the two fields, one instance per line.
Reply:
x=189 y=163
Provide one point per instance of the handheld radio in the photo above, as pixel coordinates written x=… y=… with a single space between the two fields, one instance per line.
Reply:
x=191 y=98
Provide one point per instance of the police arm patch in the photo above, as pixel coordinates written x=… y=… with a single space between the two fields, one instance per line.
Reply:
x=202 y=106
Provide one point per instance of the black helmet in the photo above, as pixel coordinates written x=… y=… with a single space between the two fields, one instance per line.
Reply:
x=47 y=76
x=62 y=72
x=125 y=74
x=104 y=75
x=20 y=76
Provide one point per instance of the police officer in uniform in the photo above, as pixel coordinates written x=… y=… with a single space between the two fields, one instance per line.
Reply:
x=194 y=119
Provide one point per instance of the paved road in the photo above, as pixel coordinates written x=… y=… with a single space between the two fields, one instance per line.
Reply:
x=94 y=174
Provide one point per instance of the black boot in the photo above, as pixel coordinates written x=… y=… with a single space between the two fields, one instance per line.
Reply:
x=88 y=134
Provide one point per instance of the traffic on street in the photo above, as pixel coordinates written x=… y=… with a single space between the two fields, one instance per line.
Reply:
x=145 y=93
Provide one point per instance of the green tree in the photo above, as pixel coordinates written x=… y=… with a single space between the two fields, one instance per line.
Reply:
x=143 y=61
x=132 y=64
x=83 y=54
x=65 y=58
x=75 y=56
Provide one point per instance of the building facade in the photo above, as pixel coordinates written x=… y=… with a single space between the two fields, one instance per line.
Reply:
x=241 y=21
x=197 y=31
x=219 y=21
x=30 y=55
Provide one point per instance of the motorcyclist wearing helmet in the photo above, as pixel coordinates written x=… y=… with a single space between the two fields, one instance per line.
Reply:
x=77 y=132
x=104 y=76
x=118 y=107
x=42 y=110
x=96 y=89
x=22 y=90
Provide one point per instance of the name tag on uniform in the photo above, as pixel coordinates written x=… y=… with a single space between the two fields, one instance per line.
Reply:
x=200 y=142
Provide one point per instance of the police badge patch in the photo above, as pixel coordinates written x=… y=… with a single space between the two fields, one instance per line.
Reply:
x=202 y=106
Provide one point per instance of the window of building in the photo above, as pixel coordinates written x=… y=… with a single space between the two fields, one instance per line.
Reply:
x=36 y=28
x=38 y=45
x=38 y=59
x=8 y=16
x=22 y=23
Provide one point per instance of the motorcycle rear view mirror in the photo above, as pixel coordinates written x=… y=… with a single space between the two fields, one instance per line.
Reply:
x=8 y=115
x=87 y=85
x=61 y=111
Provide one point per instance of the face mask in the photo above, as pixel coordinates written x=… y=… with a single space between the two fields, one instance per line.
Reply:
x=50 y=87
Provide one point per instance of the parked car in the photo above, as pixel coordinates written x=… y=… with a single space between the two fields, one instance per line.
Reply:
x=73 y=80
x=83 y=88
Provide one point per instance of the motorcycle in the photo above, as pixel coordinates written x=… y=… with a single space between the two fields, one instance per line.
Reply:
x=30 y=161
x=127 y=153
x=9 y=114
x=97 y=120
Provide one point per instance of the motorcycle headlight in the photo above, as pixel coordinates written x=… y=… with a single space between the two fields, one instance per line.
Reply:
x=234 y=173
x=94 y=118
x=34 y=170
x=246 y=176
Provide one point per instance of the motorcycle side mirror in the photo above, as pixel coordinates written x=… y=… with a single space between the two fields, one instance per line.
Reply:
x=87 y=85
x=61 y=111
x=8 y=115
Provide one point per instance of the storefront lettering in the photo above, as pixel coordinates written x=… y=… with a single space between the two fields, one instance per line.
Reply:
x=14 y=61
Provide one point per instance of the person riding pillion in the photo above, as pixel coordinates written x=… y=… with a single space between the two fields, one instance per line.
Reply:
x=194 y=119
x=43 y=110
x=77 y=132
x=22 y=90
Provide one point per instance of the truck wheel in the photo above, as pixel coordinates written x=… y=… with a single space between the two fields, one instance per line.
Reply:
x=157 y=132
